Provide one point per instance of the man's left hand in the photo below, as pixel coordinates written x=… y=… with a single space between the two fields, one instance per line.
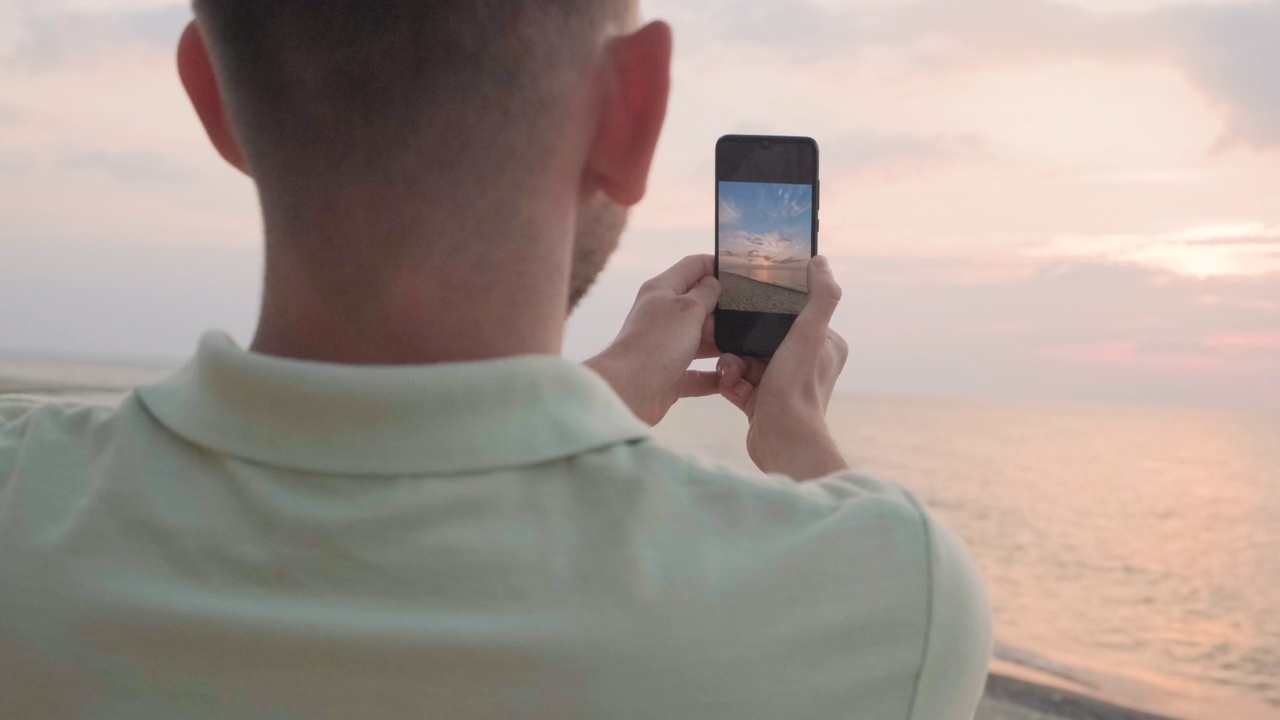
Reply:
x=668 y=328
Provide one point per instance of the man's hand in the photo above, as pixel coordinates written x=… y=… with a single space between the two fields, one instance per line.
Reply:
x=786 y=398
x=668 y=328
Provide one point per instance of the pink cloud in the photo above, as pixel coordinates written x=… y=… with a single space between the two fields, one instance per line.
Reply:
x=1218 y=351
x=1113 y=352
x=1131 y=354
x=1241 y=343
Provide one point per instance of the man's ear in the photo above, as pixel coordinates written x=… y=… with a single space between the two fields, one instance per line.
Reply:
x=632 y=113
x=196 y=70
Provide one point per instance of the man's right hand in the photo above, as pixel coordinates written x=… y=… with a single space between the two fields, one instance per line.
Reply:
x=785 y=398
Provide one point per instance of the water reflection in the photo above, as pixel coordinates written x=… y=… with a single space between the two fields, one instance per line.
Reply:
x=1135 y=542
x=791 y=276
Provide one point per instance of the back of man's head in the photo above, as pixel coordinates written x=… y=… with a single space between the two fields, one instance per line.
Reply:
x=471 y=90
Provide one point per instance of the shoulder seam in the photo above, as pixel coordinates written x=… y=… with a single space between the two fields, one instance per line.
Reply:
x=928 y=618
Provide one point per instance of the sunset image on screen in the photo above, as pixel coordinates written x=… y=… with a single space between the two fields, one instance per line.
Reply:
x=766 y=232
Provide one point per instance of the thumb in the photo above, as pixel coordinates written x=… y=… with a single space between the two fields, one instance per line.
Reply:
x=738 y=392
x=824 y=297
x=706 y=293
x=698 y=383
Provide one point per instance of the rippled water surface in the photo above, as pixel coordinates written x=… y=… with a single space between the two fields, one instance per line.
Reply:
x=1132 y=550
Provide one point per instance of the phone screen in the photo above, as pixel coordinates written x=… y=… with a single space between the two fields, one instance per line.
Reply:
x=766 y=232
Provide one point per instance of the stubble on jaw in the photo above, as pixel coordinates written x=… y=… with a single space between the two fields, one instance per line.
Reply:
x=599 y=229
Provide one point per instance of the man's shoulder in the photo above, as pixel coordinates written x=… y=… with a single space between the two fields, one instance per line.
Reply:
x=27 y=411
x=863 y=525
x=13 y=408
x=861 y=556
x=846 y=529
x=720 y=485
x=35 y=429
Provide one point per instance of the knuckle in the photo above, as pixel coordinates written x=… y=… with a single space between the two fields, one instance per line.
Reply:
x=838 y=344
x=686 y=304
x=841 y=357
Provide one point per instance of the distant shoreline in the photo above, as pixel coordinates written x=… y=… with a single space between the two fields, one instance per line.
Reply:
x=747 y=295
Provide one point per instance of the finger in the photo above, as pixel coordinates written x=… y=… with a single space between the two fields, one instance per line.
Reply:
x=685 y=274
x=707 y=347
x=706 y=293
x=750 y=369
x=824 y=297
x=755 y=368
x=731 y=368
x=700 y=384
x=738 y=393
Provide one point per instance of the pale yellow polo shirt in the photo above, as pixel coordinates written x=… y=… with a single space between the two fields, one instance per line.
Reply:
x=258 y=537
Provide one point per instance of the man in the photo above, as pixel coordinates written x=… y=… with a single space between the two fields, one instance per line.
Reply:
x=400 y=502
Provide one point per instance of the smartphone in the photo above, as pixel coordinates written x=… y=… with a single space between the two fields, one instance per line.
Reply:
x=766 y=232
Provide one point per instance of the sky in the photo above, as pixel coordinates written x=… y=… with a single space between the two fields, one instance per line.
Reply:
x=1073 y=200
x=765 y=223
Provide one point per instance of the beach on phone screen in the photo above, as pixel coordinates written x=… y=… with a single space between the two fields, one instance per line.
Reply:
x=766 y=232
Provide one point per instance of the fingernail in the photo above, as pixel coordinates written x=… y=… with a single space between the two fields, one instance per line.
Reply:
x=820 y=262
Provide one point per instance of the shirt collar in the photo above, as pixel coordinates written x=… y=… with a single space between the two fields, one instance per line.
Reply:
x=389 y=420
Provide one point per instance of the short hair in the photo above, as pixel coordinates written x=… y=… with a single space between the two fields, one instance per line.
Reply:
x=475 y=83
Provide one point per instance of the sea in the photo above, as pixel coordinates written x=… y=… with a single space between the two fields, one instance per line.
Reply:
x=1129 y=552
x=790 y=276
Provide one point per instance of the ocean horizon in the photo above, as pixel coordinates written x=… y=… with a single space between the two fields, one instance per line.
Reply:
x=789 y=276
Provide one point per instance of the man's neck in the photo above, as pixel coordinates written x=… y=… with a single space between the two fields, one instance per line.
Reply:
x=463 y=310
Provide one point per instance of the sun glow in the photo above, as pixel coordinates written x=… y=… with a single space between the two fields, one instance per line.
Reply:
x=1199 y=262
x=1202 y=251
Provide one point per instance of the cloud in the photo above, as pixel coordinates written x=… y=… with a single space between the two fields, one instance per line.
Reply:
x=1073 y=330
x=801 y=29
x=1257 y=241
x=58 y=37
x=1069 y=329
x=770 y=247
x=1235 y=248
x=766 y=222
x=1232 y=51
x=869 y=150
x=729 y=212
x=1244 y=342
x=943 y=31
x=137 y=166
x=1166 y=177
